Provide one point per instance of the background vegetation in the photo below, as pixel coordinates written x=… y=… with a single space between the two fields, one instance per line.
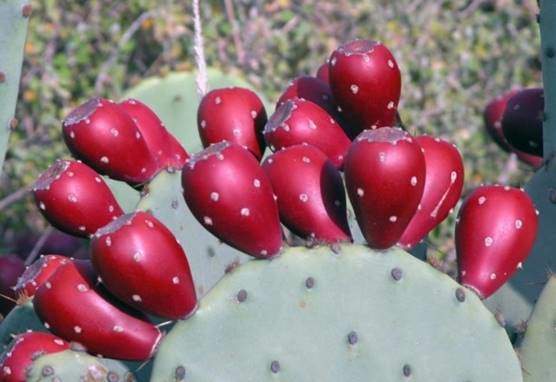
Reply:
x=454 y=56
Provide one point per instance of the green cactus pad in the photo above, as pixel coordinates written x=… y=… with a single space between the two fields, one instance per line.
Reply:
x=351 y=314
x=126 y=196
x=175 y=100
x=14 y=16
x=208 y=257
x=77 y=366
x=19 y=320
x=538 y=349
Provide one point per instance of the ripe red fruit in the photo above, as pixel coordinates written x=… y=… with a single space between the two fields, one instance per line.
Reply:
x=385 y=176
x=24 y=349
x=495 y=231
x=310 y=192
x=74 y=198
x=443 y=185
x=493 y=122
x=141 y=263
x=299 y=121
x=103 y=135
x=38 y=273
x=366 y=83
x=163 y=146
x=322 y=73
x=235 y=115
x=71 y=306
x=11 y=267
x=230 y=195
x=311 y=89
x=522 y=121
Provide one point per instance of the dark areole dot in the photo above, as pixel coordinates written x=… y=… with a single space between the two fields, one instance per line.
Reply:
x=47 y=371
x=310 y=282
x=275 y=366
x=549 y=51
x=406 y=370
x=460 y=294
x=396 y=274
x=180 y=373
x=242 y=295
x=112 y=377
x=352 y=338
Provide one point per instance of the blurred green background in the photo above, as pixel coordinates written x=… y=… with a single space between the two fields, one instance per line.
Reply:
x=454 y=56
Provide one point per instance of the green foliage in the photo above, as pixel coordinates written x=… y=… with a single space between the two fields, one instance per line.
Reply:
x=19 y=320
x=538 y=349
x=354 y=315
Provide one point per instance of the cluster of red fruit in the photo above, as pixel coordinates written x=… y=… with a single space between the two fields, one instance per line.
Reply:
x=401 y=187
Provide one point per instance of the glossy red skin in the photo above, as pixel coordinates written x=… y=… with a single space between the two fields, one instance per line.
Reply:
x=311 y=89
x=74 y=198
x=231 y=196
x=310 y=192
x=299 y=121
x=71 y=307
x=322 y=73
x=443 y=186
x=234 y=115
x=495 y=232
x=11 y=267
x=366 y=84
x=104 y=136
x=24 y=349
x=522 y=121
x=493 y=122
x=385 y=175
x=38 y=273
x=141 y=263
x=163 y=146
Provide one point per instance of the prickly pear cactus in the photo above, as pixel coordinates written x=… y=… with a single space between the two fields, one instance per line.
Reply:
x=126 y=196
x=19 y=320
x=76 y=366
x=209 y=259
x=14 y=15
x=175 y=101
x=351 y=314
x=515 y=300
x=538 y=349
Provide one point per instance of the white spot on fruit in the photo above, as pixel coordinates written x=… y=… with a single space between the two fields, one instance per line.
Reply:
x=257 y=183
x=236 y=132
x=253 y=114
x=264 y=252
x=97 y=179
x=175 y=280
x=203 y=124
x=104 y=159
x=108 y=241
x=114 y=132
x=207 y=220
x=82 y=288
x=493 y=276
x=354 y=88
x=482 y=200
x=360 y=192
x=77 y=329
x=214 y=196
x=393 y=218
x=42 y=206
x=118 y=329
x=518 y=224
x=391 y=64
x=137 y=256
x=149 y=223
x=303 y=197
x=306 y=159
x=382 y=156
x=414 y=181
x=136 y=298
x=453 y=176
x=390 y=105
x=48 y=285
x=218 y=100
x=488 y=241
x=245 y=212
x=72 y=198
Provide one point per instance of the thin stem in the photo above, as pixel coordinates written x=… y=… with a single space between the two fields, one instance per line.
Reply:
x=38 y=245
x=201 y=78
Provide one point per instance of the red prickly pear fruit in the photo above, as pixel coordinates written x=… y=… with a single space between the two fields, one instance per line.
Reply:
x=310 y=193
x=493 y=122
x=366 y=83
x=443 y=185
x=231 y=196
x=11 y=267
x=385 y=177
x=141 y=263
x=311 y=89
x=38 y=273
x=165 y=148
x=74 y=198
x=71 y=306
x=24 y=350
x=235 y=115
x=522 y=121
x=322 y=73
x=103 y=135
x=299 y=121
x=495 y=232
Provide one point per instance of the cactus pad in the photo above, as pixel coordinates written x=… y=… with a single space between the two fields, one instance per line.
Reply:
x=19 y=320
x=348 y=314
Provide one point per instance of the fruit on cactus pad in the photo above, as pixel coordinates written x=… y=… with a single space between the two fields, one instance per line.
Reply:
x=74 y=198
x=38 y=273
x=311 y=89
x=522 y=121
x=493 y=122
x=385 y=176
x=495 y=231
x=231 y=196
x=310 y=193
x=322 y=72
x=74 y=307
x=141 y=263
x=443 y=185
x=24 y=349
x=232 y=114
x=163 y=146
x=299 y=121
x=11 y=267
x=366 y=83
x=103 y=135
